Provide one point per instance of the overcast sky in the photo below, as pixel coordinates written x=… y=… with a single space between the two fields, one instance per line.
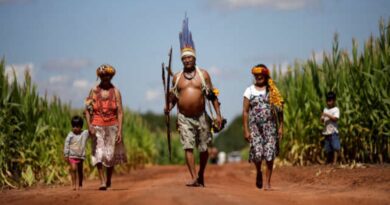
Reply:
x=63 y=42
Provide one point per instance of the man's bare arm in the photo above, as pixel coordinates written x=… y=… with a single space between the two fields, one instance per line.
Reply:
x=120 y=114
x=215 y=101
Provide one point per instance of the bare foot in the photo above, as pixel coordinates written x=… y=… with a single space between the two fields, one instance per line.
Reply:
x=103 y=187
x=193 y=183
x=267 y=187
x=200 y=181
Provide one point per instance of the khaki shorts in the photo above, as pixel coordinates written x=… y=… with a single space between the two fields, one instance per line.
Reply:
x=195 y=131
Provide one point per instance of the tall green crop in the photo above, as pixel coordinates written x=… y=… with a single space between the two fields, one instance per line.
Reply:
x=33 y=130
x=361 y=81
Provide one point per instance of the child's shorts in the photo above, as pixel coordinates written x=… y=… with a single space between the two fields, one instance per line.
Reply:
x=332 y=142
x=75 y=160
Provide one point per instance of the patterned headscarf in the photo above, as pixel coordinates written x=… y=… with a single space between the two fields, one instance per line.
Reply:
x=105 y=69
x=275 y=96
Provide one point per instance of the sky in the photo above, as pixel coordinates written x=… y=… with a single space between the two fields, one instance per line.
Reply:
x=62 y=43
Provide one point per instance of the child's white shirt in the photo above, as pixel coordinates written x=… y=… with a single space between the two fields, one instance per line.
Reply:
x=75 y=145
x=331 y=126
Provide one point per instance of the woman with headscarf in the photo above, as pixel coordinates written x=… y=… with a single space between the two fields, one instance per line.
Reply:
x=263 y=105
x=104 y=115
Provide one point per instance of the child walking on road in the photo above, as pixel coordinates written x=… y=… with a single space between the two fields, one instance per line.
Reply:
x=74 y=151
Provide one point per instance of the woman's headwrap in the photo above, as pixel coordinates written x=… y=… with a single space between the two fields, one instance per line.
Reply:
x=187 y=46
x=275 y=96
x=105 y=69
x=260 y=69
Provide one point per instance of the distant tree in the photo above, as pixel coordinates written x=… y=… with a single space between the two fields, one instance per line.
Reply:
x=156 y=122
x=232 y=138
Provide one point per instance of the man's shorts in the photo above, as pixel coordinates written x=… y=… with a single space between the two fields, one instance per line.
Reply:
x=195 y=131
x=332 y=142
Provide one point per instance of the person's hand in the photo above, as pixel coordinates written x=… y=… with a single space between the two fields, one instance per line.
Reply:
x=325 y=117
x=166 y=110
x=92 y=131
x=119 y=137
x=247 y=136
x=219 y=121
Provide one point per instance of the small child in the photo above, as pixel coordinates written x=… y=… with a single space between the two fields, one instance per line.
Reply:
x=330 y=116
x=74 y=150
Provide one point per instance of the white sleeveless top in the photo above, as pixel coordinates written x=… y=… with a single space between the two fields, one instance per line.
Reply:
x=252 y=91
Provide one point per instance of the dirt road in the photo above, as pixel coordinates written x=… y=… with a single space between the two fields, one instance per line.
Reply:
x=228 y=184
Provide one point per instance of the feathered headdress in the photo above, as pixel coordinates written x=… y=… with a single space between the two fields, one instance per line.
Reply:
x=187 y=46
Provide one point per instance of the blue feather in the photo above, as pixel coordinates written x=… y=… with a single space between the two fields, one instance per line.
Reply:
x=185 y=36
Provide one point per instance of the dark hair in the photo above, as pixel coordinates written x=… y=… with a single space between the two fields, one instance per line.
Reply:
x=331 y=96
x=77 y=121
x=261 y=65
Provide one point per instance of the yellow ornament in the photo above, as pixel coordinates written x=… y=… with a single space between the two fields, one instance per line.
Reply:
x=216 y=91
x=275 y=96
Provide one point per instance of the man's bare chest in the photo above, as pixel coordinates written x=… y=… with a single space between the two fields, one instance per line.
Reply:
x=194 y=83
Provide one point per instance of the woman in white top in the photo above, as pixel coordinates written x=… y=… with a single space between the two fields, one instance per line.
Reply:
x=263 y=105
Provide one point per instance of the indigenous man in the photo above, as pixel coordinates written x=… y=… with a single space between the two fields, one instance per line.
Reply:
x=191 y=87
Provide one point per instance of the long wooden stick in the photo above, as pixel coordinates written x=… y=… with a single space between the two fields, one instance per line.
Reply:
x=167 y=85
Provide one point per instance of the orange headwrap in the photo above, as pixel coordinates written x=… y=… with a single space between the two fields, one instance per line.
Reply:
x=260 y=70
x=105 y=69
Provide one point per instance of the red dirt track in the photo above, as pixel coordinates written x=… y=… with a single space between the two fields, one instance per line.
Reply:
x=228 y=184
